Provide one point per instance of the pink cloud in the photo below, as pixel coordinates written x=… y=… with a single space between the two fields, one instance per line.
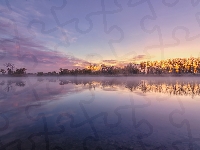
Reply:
x=34 y=55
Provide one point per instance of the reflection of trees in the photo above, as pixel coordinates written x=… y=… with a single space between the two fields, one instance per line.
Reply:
x=2 y=82
x=192 y=88
x=10 y=85
x=73 y=81
x=172 y=88
x=40 y=79
x=51 y=80
x=20 y=83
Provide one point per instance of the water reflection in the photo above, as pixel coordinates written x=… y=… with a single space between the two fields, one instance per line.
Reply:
x=190 y=88
x=10 y=85
x=99 y=113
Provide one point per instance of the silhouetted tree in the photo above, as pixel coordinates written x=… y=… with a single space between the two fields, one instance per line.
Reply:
x=20 y=71
x=3 y=71
x=10 y=68
x=40 y=73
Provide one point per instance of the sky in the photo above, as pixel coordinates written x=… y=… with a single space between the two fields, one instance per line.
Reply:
x=45 y=35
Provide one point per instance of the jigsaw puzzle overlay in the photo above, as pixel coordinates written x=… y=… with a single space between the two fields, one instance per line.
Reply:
x=106 y=113
x=75 y=112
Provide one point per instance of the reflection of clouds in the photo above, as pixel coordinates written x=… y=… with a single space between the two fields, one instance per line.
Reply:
x=17 y=93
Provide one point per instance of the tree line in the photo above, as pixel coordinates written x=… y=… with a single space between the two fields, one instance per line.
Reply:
x=12 y=71
x=169 y=66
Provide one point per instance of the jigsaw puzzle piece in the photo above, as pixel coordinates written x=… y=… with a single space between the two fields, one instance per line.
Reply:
x=81 y=19
x=166 y=33
x=189 y=139
x=128 y=8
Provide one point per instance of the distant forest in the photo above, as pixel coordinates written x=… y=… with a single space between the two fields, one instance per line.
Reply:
x=169 y=66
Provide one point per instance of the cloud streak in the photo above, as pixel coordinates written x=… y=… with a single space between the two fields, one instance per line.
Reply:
x=32 y=54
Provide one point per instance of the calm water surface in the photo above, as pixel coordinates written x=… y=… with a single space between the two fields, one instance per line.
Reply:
x=57 y=113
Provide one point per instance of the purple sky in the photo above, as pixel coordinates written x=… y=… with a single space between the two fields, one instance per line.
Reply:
x=45 y=35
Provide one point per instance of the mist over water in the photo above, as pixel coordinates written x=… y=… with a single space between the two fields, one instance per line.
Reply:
x=100 y=112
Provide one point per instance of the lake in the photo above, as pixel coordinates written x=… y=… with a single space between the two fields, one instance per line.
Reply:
x=57 y=113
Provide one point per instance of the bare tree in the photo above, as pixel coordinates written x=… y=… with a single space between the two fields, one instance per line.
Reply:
x=10 y=67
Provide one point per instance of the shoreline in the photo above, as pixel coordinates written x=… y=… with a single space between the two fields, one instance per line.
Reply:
x=120 y=75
